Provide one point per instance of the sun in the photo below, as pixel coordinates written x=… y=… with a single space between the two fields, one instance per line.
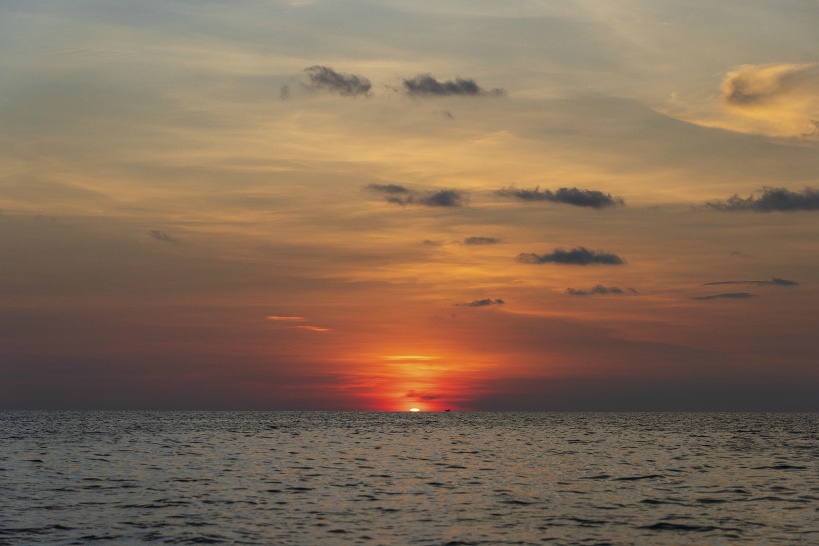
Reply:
x=414 y=409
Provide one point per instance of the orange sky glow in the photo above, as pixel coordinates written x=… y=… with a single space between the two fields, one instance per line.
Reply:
x=379 y=206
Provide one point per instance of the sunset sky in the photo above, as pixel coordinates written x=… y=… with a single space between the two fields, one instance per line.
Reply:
x=387 y=204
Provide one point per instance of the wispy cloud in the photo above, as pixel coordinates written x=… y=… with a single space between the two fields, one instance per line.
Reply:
x=772 y=282
x=770 y=200
x=600 y=289
x=348 y=85
x=426 y=85
x=391 y=189
x=728 y=295
x=570 y=196
x=753 y=86
x=777 y=99
x=575 y=256
x=314 y=328
x=420 y=395
x=480 y=241
x=161 y=236
x=399 y=195
x=276 y=318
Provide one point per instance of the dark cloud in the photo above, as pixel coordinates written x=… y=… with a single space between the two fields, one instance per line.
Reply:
x=426 y=85
x=773 y=282
x=443 y=198
x=430 y=242
x=392 y=189
x=480 y=241
x=420 y=395
x=729 y=295
x=284 y=92
x=771 y=199
x=161 y=236
x=348 y=85
x=484 y=302
x=400 y=195
x=600 y=289
x=570 y=196
x=575 y=256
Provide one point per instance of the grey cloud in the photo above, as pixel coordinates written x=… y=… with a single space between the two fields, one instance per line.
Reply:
x=480 y=241
x=161 y=236
x=348 y=85
x=728 y=295
x=426 y=85
x=284 y=92
x=391 y=189
x=771 y=199
x=575 y=256
x=400 y=195
x=773 y=282
x=420 y=395
x=484 y=302
x=570 y=196
x=600 y=289
x=442 y=198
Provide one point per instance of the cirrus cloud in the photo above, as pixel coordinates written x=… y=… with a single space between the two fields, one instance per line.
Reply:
x=727 y=295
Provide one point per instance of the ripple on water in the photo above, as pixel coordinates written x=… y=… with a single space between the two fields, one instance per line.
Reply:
x=341 y=478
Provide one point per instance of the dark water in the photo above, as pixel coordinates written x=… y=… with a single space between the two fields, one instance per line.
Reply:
x=426 y=478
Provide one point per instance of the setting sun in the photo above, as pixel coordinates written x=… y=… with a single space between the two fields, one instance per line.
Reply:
x=414 y=409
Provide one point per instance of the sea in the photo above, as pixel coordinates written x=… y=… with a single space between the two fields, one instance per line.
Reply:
x=447 y=478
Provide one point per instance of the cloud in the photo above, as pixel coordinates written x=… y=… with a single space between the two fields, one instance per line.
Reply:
x=483 y=303
x=313 y=328
x=399 y=195
x=161 y=236
x=285 y=319
x=480 y=241
x=347 y=85
x=773 y=282
x=575 y=256
x=729 y=295
x=419 y=395
x=755 y=85
x=775 y=99
x=443 y=198
x=570 y=196
x=771 y=199
x=391 y=189
x=600 y=289
x=426 y=85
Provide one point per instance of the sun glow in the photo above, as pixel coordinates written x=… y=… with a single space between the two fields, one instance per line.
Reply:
x=414 y=409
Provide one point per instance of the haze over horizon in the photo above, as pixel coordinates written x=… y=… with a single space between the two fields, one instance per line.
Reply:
x=385 y=205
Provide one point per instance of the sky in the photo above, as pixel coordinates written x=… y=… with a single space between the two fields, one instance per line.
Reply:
x=583 y=205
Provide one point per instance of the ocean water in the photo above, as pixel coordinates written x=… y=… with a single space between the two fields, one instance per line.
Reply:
x=404 y=478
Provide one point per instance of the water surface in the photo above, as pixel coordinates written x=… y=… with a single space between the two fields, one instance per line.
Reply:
x=402 y=478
